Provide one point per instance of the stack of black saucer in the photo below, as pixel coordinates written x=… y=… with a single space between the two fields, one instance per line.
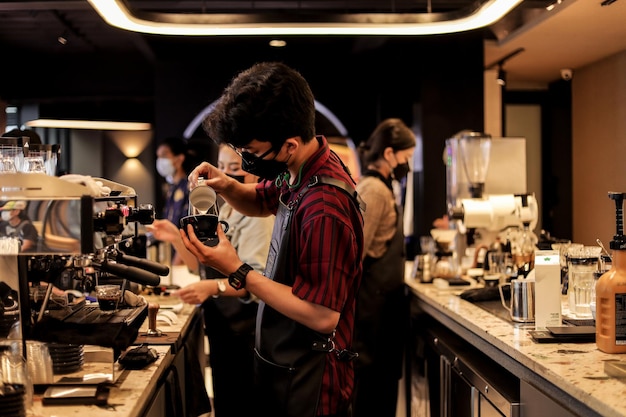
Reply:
x=9 y=315
x=66 y=358
x=12 y=400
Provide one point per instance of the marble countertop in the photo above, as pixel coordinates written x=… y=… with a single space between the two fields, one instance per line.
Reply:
x=576 y=369
x=127 y=396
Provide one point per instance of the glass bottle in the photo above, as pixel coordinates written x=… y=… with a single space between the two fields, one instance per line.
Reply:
x=611 y=291
x=611 y=306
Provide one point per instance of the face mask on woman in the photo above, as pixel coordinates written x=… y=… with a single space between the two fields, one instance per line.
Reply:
x=165 y=167
x=6 y=215
x=401 y=171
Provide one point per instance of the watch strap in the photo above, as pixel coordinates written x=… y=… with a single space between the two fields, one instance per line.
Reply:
x=237 y=279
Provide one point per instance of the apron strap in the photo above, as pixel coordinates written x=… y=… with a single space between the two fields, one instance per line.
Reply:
x=316 y=179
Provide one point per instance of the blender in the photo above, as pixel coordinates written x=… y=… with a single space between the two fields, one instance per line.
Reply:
x=475 y=149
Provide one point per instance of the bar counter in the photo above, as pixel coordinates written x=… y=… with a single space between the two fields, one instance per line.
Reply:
x=135 y=393
x=571 y=374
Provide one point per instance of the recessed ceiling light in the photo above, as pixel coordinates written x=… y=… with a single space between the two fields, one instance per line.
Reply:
x=278 y=43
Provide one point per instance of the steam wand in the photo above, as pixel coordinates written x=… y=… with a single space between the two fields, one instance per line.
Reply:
x=603 y=248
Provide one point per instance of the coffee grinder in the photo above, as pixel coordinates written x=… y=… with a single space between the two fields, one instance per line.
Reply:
x=482 y=218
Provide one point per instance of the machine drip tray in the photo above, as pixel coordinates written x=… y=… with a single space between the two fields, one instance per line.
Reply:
x=90 y=313
x=90 y=325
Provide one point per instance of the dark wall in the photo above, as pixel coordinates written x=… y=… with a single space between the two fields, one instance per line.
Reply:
x=556 y=151
x=361 y=80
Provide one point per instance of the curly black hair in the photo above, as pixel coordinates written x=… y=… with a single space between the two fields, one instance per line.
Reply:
x=269 y=102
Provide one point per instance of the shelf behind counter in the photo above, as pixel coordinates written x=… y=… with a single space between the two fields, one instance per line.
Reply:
x=570 y=374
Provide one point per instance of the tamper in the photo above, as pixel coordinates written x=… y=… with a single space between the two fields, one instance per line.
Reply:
x=153 y=309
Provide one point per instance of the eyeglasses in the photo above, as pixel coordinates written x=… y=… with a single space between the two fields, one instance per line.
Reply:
x=241 y=154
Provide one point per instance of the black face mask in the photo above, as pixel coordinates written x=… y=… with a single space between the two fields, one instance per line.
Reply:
x=238 y=178
x=401 y=171
x=267 y=169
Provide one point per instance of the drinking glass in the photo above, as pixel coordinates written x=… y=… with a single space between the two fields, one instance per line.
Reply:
x=34 y=164
x=48 y=153
x=583 y=283
x=11 y=155
x=108 y=296
x=582 y=263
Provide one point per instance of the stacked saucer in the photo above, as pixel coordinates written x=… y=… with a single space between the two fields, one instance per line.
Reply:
x=66 y=358
x=9 y=315
x=12 y=400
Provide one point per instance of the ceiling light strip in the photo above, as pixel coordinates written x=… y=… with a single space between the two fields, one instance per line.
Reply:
x=88 y=124
x=116 y=13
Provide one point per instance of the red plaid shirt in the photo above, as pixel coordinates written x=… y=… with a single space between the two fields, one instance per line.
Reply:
x=326 y=247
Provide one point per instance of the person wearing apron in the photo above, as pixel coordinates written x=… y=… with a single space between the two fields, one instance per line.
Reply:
x=382 y=312
x=304 y=359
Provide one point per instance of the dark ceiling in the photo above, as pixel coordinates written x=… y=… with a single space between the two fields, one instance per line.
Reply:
x=33 y=28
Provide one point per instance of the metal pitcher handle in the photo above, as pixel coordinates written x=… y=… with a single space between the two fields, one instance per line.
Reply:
x=502 y=295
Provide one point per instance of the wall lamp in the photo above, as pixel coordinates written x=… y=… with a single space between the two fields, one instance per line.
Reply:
x=117 y=13
x=131 y=144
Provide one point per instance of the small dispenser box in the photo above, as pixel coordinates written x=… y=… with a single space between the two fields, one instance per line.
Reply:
x=547 y=289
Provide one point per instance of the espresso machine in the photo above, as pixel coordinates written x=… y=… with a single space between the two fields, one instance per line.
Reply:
x=82 y=240
x=486 y=191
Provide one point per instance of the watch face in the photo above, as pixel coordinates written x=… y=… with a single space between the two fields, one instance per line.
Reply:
x=235 y=282
x=237 y=279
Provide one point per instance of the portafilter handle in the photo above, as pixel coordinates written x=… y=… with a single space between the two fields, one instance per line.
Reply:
x=131 y=273
x=142 y=263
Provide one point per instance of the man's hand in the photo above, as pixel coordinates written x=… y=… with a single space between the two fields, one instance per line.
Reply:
x=213 y=177
x=222 y=257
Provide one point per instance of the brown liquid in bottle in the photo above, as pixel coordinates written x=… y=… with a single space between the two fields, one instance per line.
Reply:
x=611 y=290
x=611 y=307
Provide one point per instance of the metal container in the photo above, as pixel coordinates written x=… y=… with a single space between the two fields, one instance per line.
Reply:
x=522 y=308
x=422 y=268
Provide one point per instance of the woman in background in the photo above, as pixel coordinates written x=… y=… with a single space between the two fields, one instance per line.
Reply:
x=15 y=223
x=382 y=305
x=170 y=164
x=229 y=320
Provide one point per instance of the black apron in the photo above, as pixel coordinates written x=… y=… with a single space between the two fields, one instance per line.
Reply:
x=289 y=358
x=382 y=307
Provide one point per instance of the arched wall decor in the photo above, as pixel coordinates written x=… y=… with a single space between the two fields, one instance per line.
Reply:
x=319 y=107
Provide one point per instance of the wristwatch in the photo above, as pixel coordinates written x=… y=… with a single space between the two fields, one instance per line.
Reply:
x=237 y=279
x=221 y=288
